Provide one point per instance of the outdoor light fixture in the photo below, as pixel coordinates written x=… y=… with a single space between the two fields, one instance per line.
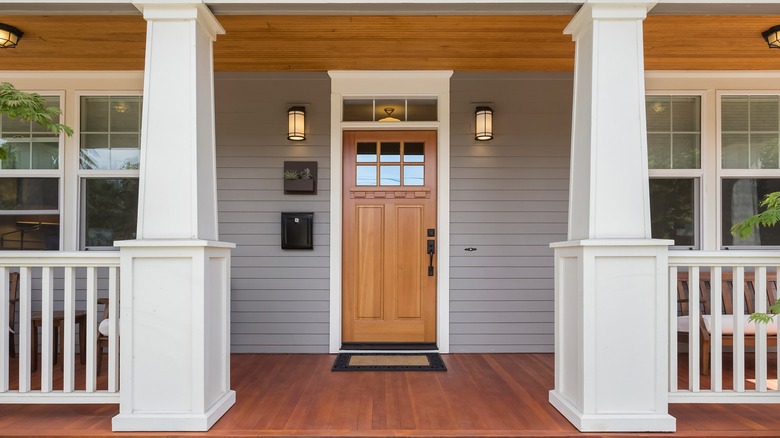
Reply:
x=9 y=36
x=484 y=123
x=772 y=37
x=296 y=117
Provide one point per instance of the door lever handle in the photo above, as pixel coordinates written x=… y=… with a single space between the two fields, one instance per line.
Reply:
x=431 y=251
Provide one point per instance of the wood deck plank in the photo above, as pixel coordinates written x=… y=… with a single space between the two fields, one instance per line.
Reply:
x=479 y=395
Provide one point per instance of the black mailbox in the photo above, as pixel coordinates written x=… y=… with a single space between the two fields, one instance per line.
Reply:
x=297 y=230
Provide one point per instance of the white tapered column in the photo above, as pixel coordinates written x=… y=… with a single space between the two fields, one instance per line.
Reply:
x=610 y=276
x=175 y=278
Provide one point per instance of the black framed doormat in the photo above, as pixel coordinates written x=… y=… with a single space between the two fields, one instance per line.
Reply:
x=389 y=362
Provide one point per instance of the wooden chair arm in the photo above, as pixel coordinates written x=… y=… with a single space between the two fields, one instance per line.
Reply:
x=103 y=301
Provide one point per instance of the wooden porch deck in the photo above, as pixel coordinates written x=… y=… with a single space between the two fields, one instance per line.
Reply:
x=480 y=395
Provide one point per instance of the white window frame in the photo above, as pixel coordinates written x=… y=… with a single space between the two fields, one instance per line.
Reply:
x=83 y=174
x=58 y=173
x=711 y=83
x=70 y=86
x=722 y=173
x=698 y=175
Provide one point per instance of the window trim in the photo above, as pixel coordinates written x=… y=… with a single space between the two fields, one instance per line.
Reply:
x=698 y=175
x=83 y=174
x=721 y=173
x=58 y=173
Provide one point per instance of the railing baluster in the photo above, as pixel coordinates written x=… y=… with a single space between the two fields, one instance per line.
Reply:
x=75 y=267
x=694 y=312
x=716 y=336
x=673 y=329
x=113 y=330
x=68 y=383
x=760 y=353
x=25 y=325
x=47 y=315
x=90 y=328
x=738 y=348
x=4 y=322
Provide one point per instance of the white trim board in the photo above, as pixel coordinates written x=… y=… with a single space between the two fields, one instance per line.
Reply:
x=384 y=84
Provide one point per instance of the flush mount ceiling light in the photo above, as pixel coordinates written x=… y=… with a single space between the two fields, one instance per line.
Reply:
x=484 y=123
x=296 y=119
x=772 y=37
x=9 y=36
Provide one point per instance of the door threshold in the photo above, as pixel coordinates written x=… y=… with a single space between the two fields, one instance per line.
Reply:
x=389 y=346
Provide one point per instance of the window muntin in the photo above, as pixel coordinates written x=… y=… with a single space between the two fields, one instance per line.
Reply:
x=673 y=131
x=750 y=131
x=29 y=145
x=399 y=164
x=674 y=210
x=110 y=136
x=110 y=208
x=740 y=198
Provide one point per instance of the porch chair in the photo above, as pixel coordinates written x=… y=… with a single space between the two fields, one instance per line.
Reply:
x=728 y=319
x=13 y=297
x=102 y=338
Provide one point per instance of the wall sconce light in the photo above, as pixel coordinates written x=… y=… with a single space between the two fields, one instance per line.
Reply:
x=9 y=36
x=296 y=118
x=484 y=123
x=772 y=37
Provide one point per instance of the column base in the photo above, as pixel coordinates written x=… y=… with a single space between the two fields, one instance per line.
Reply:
x=174 y=421
x=613 y=422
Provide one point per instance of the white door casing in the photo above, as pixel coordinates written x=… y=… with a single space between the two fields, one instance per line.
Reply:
x=398 y=84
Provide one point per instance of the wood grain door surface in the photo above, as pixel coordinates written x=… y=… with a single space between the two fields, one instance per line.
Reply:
x=389 y=193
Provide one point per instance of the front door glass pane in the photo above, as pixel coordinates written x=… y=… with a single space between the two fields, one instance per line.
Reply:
x=390 y=176
x=390 y=152
x=366 y=152
x=414 y=175
x=414 y=152
x=366 y=175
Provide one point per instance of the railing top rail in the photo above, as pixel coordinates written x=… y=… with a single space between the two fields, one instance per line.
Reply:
x=15 y=259
x=724 y=258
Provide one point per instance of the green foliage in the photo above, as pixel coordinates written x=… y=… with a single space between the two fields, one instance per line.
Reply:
x=30 y=107
x=766 y=218
x=306 y=174
x=766 y=318
x=292 y=174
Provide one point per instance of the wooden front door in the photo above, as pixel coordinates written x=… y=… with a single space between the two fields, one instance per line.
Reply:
x=388 y=275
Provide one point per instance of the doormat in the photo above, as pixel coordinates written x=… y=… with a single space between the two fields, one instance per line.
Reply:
x=388 y=362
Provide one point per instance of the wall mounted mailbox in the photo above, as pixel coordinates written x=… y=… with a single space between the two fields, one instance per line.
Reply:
x=297 y=230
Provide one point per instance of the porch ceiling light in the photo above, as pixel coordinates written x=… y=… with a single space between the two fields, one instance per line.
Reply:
x=9 y=36
x=484 y=123
x=296 y=119
x=772 y=37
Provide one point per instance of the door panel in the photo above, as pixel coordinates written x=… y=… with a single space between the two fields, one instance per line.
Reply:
x=389 y=204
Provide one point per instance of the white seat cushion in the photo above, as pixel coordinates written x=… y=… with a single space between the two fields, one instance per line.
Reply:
x=104 y=326
x=727 y=322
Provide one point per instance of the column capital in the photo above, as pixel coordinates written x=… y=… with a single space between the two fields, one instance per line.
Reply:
x=607 y=10
x=181 y=10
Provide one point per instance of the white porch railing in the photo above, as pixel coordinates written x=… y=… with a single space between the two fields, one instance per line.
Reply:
x=705 y=275
x=66 y=284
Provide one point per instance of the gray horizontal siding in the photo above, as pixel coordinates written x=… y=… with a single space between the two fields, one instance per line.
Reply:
x=509 y=201
x=279 y=298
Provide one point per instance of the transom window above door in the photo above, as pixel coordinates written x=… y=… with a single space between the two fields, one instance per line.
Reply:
x=390 y=164
x=390 y=110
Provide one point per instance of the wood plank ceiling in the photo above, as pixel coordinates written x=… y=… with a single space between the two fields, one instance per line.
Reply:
x=461 y=43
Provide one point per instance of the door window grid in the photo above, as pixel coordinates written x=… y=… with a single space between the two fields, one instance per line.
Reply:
x=399 y=164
